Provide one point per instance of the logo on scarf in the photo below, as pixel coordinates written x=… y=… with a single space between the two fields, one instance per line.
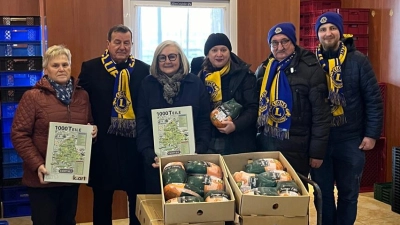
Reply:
x=323 y=20
x=121 y=103
x=278 y=30
x=279 y=111
x=212 y=88
x=263 y=103
x=336 y=77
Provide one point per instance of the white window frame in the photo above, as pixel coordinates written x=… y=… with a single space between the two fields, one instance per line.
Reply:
x=129 y=10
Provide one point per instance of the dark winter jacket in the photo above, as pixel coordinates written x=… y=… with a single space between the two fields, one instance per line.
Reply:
x=311 y=116
x=30 y=128
x=115 y=162
x=240 y=84
x=192 y=93
x=364 y=107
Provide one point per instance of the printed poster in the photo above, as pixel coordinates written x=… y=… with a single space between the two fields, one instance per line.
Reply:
x=68 y=153
x=173 y=131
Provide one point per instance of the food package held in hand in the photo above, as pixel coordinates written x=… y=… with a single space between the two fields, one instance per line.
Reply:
x=263 y=165
x=203 y=167
x=180 y=189
x=227 y=111
x=174 y=172
x=185 y=199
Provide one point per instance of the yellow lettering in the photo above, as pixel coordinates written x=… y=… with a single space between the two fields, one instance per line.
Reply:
x=121 y=103
x=338 y=77
x=277 y=112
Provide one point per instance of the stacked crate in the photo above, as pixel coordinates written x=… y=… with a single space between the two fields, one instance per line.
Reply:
x=355 y=22
x=20 y=69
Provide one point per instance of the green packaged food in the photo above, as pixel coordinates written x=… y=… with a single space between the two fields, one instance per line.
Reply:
x=268 y=191
x=180 y=189
x=174 y=174
x=203 y=167
x=216 y=196
x=206 y=182
x=185 y=199
x=263 y=165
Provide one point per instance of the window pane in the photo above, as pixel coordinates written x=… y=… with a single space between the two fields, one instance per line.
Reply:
x=189 y=27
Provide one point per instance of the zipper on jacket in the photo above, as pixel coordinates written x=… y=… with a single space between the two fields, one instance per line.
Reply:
x=69 y=114
x=298 y=103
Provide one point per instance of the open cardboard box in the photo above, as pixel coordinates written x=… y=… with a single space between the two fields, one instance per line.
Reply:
x=199 y=212
x=149 y=211
x=289 y=206
x=273 y=220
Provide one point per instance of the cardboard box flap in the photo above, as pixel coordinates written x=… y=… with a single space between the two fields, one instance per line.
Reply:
x=266 y=205
x=202 y=211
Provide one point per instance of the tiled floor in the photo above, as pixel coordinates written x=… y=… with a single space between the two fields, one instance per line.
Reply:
x=370 y=211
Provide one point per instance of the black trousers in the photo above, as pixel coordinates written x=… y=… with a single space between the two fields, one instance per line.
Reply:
x=102 y=207
x=54 y=205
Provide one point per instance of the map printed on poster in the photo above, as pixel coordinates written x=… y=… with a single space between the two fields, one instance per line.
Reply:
x=68 y=153
x=173 y=131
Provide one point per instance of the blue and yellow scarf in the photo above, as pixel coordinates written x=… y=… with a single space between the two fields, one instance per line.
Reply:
x=275 y=105
x=123 y=121
x=213 y=84
x=333 y=69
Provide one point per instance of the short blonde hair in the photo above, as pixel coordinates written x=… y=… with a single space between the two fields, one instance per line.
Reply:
x=184 y=63
x=56 y=50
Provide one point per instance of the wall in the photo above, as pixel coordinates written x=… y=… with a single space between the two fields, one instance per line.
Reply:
x=19 y=7
x=384 y=39
x=255 y=19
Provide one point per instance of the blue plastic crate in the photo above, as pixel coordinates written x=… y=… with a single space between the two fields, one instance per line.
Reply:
x=12 y=170
x=16 y=209
x=20 y=79
x=23 y=49
x=8 y=109
x=6 y=124
x=7 y=141
x=20 y=33
x=11 y=156
x=15 y=193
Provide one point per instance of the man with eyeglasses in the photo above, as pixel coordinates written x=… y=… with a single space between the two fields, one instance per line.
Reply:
x=115 y=162
x=357 y=110
x=293 y=116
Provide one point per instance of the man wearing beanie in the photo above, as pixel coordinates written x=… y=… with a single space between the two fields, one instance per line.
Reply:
x=227 y=77
x=357 y=110
x=293 y=116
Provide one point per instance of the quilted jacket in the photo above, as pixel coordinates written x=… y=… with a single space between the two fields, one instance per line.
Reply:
x=30 y=127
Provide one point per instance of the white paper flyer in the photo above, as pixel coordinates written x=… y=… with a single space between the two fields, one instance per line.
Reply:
x=68 y=153
x=173 y=131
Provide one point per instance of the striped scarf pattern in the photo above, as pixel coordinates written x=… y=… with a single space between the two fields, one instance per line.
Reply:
x=213 y=84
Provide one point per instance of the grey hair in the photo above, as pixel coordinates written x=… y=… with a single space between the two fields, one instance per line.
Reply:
x=56 y=50
x=184 y=63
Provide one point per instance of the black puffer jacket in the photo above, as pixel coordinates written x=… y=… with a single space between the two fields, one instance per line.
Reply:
x=364 y=107
x=311 y=116
x=242 y=87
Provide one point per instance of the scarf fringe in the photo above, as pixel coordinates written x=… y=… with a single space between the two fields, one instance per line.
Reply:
x=338 y=120
x=262 y=120
x=337 y=98
x=276 y=132
x=122 y=127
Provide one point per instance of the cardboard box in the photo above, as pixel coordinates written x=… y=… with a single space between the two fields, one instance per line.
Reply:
x=273 y=220
x=149 y=211
x=289 y=206
x=199 y=212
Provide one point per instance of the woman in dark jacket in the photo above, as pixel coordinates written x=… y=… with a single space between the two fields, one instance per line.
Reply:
x=228 y=77
x=170 y=85
x=54 y=98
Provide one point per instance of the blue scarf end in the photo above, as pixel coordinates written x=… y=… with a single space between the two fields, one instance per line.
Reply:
x=122 y=127
x=337 y=98
x=338 y=121
x=276 y=132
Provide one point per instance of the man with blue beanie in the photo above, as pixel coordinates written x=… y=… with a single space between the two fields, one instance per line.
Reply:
x=357 y=111
x=293 y=116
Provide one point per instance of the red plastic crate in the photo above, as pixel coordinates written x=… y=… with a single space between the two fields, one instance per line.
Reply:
x=361 y=41
x=375 y=166
x=311 y=6
x=355 y=29
x=308 y=31
x=310 y=18
x=309 y=42
x=382 y=87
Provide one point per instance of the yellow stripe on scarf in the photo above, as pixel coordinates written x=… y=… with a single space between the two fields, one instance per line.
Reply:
x=213 y=80
x=335 y=79
x=123 y=86
x=263 y=91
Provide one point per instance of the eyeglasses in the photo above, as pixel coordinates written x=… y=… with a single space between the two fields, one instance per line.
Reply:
x=284 y=43
x=171 y=57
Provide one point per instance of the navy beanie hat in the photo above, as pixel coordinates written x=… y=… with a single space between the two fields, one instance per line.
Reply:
x=330 y=17
x=216 y=39
x=287 y=29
